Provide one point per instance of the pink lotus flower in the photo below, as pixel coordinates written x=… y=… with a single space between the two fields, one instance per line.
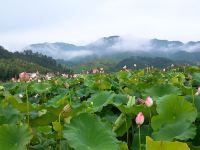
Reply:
x=198 y=91
x=139 y=119
x=24 y=76
x=149 y=101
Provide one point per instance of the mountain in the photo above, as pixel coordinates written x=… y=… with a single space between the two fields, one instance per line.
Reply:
x=143 y=62
x=11 y=64
x=114 y=46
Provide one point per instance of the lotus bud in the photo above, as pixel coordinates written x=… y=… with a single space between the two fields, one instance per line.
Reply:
x=67 y=108
x=139 y=119
x=66 y=85
x=1 y=88
x=198 y=91
x=24 y=76
x=21 y=95
x=149 y=101
x=140 y=101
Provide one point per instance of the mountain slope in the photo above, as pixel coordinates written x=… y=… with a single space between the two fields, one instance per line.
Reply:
x=11 y=64
x=115 y=46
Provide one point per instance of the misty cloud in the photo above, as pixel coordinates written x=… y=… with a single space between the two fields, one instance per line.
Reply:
x=112 y=44
x=74 y=54
x=131 y=44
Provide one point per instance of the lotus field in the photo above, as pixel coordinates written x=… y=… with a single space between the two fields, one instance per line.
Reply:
x=127 y=110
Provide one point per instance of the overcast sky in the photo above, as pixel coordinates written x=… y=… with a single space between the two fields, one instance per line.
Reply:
x=23 y=22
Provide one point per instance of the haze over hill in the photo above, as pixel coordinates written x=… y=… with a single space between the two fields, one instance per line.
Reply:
x=113 y=46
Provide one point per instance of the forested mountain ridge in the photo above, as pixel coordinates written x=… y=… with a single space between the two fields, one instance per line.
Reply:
x=11 y=64
x=114 y=46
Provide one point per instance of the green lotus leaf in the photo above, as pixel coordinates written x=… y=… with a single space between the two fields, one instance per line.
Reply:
x=135 y=109
x=196 y=103
x=104 y=84
x=174 y=119
x=41 y=87
x=196 y=79
x=57 y=101
x=123 y=146
x=120 y=99
x=165 y=145
x=122 y=124
x=101 y=99
x=87 y=132
x=14 y=137
x=196 y=140
x=44 y=129
x=161 y=90
x=123 y=75
x=22 y=107
x=10 y=86
x=50 y=115
x=9 y=115
x=58 y=128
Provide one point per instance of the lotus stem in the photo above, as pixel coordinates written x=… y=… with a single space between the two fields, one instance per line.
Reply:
x=27 y=105
x=139 y=138
x=127 y=137
x=193 y=97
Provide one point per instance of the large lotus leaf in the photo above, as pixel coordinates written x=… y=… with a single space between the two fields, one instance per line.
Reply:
x=14 y=137
x=120 y=99
x=123 y=146
x=48 y=115
x=104 y=84
x=10 y=86
x=192 y=147
x=22 y=107
x=122 y=124
x=135 y=109
x=87 y=132
x=174 y=119
x=196 y=103
x=123 y=75
x=161 y=90
x=196 y=79
x=180 y=130
x=41 y=87
x=196 y=140
x=101 y=99
x=165 y=145
x=57 y=101
x=9 y=115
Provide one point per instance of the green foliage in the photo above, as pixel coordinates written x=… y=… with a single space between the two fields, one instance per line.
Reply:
x=161 y=90
x=97 y=111
x=101 y=99
x=174 y=120
x=11 y=64
x=14 y=137
x=87 y=132
x=159 y=145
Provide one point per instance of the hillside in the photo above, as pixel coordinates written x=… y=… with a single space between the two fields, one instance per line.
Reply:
x=143 y=62
x=117 y=47
x=11 y=64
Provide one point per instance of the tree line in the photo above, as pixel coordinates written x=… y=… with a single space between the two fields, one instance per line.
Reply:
x=11 y=64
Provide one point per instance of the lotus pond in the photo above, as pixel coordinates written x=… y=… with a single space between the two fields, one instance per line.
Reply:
x=98 y=112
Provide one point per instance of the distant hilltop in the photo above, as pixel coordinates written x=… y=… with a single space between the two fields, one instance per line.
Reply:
x=115 y=45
